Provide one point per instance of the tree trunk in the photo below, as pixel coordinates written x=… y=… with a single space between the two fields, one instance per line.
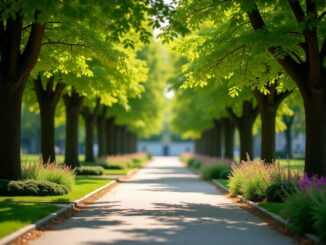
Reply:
x=315 y=110
x=101 y=133
x=118 y=139
x=48 y=99
x=73 y=104
x=229 y=129
x=10 y=117
x=90 y=119
x=110 y=141
x=246 y=139
x=288 y=120
x=218 y=127
x=268 y=105
x=47 y=132
x=268 y=116
x=89 y=141
x=245 y=124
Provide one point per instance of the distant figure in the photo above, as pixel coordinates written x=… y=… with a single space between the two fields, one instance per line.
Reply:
x=165 y=150
x=187 y=149
x=144 y=149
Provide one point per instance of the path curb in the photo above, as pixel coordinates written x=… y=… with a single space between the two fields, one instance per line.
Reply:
x=277 y=218
x=26 y=229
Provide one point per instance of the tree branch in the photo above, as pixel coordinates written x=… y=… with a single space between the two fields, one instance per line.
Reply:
x=232 y=115
x=321 y=15
x=97 y=107
x=49 y=84
x=32 y=49
x=67 y=44
x=297 y=10
x=281 y=96
x=38 y=88
x=12 y=49
x=58 y=92
x=294 y=69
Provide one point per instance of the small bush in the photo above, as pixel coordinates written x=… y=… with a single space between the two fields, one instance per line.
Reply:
x=139 y=158
x=194 y=163
x=225 y=173
x=89 y=170
x=319 y=217
x=32 y=188
x=213 y=171
x=279 y=191
x=299 y=212
x=115 y=162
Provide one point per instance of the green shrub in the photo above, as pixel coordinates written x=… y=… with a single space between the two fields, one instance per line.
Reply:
x=299 y=212
x=194 y=163
x=32 y=188
x=213 y=171
x=115 y=162
x=140 y=157
x=89 y=170
x=319 y=217
x=225 y=173
x=279 y=191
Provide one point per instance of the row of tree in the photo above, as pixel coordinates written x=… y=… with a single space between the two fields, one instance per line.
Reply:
x=89 y=53
x=251 y=56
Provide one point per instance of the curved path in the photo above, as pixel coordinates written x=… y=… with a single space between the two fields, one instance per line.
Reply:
x=163 y=204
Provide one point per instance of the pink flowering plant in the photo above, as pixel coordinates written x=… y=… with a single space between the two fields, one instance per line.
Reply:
x=252 y=178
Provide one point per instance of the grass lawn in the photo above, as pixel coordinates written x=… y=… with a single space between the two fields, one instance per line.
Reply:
x=224 y=182
x=83 y=186
x=15 y=216
x=27 y=158
x=295 y=163
x=273 y=207
x=117 y=171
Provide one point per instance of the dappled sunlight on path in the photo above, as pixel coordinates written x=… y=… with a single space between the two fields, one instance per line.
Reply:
x=163 y=204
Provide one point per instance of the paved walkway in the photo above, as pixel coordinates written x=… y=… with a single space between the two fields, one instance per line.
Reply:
x=163 y=204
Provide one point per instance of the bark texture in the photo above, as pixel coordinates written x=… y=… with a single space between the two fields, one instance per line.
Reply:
x=73 y=103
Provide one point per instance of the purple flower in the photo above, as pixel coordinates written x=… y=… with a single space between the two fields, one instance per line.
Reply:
x=314 y=181
x=305 y=182
x=321 y=182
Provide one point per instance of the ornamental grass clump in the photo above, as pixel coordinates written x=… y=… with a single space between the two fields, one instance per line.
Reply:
x=51 y=172
x=252 y=178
